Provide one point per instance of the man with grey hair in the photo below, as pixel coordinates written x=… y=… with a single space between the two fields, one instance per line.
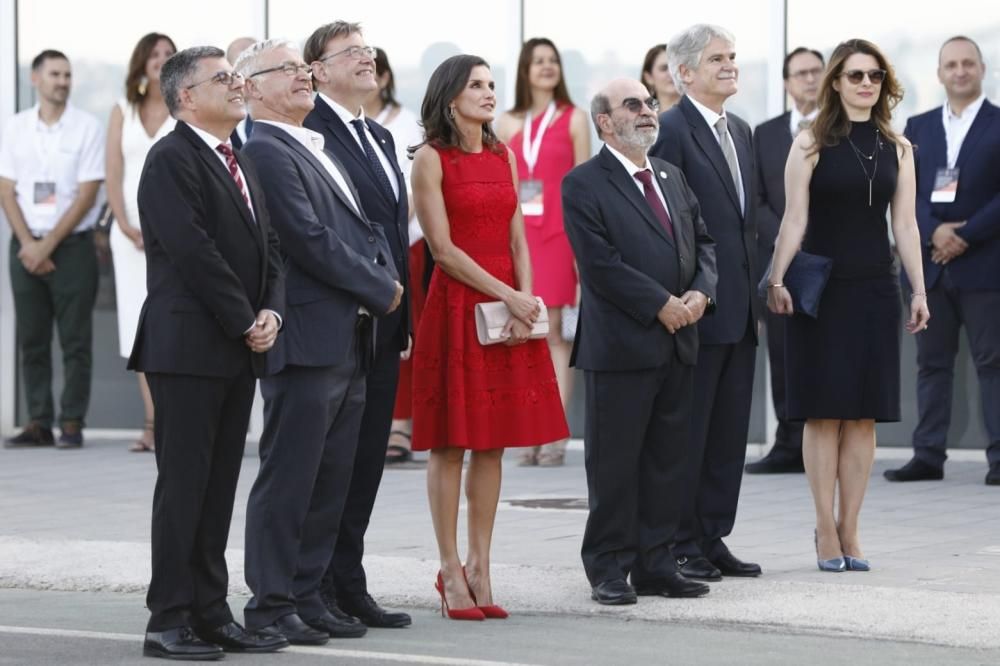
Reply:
x=215 y=289
x=647 y=275
x=713 y=148
x=339 y=273
x=245 y=126
x=344 y=75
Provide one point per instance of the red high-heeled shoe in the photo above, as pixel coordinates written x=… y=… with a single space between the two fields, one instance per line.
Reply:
x=491 y=612
x=472 y=613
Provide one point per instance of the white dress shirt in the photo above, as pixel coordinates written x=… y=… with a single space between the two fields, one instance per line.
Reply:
x=346 y=116
x=67 y=153
x=797 y=118
x=632 y=169
x=956 y=127
x=213 y=143
x=711 y=117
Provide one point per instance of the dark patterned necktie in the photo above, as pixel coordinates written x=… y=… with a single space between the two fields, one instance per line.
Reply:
x=234 y=170
x=646 y=178
x=376 y=163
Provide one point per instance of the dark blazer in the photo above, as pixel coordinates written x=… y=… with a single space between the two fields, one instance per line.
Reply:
x=336 y=259
x=772 y=141
x=393 y=216
x=687 y=142
x=977 y=199
x=210 y=264
x=629 y=266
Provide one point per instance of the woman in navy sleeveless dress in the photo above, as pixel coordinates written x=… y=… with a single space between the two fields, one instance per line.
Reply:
x=843 y=367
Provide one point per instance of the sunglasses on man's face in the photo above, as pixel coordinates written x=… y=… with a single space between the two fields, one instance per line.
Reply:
x=634 y=104
x=855 y=76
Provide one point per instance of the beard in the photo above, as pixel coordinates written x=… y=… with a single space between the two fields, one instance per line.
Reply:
x=641 y=138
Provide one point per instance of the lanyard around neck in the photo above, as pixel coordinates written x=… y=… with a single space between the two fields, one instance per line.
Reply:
x=530 y=148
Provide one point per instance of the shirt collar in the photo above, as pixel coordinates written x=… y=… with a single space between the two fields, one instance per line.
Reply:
x=209 y=138
x=345 y=115
x=629 y=165
x=36 y=111
x=711 y=117
x=303 y=135
x=797 y=116
x=969 y=111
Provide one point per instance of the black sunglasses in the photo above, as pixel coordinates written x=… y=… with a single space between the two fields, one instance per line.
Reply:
x=876 y=76
x=634 y=104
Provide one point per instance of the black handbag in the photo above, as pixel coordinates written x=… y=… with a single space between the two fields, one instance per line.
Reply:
x=805 y=280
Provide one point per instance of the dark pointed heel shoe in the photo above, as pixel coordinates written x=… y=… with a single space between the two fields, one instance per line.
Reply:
x=856 y=564
x=835 y=565
x=472 y=613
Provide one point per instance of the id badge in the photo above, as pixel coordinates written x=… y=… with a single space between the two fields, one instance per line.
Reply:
x=44 y=201
x=945 y=186
x=532 y=197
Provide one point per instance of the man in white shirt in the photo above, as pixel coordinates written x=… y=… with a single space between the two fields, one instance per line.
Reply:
x=958 y=210
x=803 y=72
x=51 y=168
x=338 y=274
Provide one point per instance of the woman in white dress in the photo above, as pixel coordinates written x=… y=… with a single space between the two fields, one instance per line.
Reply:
x=137 y=122
x=383 y=108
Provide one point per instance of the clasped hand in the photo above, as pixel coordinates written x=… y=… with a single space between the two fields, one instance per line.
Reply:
x=946 y=244
x=262 y=336
x=684 y=311
x=35 y=258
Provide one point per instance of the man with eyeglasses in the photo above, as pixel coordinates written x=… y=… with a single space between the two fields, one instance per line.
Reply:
x=338 y=274
x=803 y=73
x=714 y=150
x=215 y=291
x=647 y=275
x=344 y=75
x=958 y=211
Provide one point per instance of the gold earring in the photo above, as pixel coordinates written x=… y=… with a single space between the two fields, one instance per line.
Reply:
x=451 y=112
x=143 y=86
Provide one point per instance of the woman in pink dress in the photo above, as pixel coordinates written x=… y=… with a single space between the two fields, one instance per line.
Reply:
x=467 y=395
x=549 y=136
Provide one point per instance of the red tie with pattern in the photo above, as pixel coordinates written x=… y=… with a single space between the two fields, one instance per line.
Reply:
x=646 y=178
x=234 y=170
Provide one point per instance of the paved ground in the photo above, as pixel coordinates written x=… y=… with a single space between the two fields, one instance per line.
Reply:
x=78 y=521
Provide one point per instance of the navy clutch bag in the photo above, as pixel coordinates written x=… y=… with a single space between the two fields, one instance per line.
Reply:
x=805 y=280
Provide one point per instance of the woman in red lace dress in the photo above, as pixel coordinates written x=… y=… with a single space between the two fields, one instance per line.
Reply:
x=465 y=395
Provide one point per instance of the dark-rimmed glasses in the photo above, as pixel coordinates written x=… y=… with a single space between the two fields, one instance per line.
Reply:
x=803 y=74
x=353 y=52
x=634 y=104
x=225 y=78
x=856 y=76
x=286 y=68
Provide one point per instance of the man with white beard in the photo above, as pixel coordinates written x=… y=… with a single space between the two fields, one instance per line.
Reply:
x=647 y=275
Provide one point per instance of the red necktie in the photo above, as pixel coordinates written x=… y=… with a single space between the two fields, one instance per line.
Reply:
x=646 y=178
x=234 y=170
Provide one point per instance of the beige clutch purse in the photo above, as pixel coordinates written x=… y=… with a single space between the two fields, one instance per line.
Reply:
x=492 y=317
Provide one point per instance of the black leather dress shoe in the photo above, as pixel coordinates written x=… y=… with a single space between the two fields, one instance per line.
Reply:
x=336 y=627
x=674 y=585
x=365 y=609
x=777 y=461
x=295 y=631
x=993 y=476
x=698 y=567
x=180 y=644
x=730 y=565
x=613 y=593
x=915 y=470
x=232 y=637
x=33 y=435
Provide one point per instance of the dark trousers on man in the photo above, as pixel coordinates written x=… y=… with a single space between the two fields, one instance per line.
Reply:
x=345 y=578
x=788 y=437
x=723 y=388
x=65 y=297
x=937 y=347
x=312 y=416
x=635 y=443
x=200 y=432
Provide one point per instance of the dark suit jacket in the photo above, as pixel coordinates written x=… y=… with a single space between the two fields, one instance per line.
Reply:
x=772 y=141
x=629 y=266
x=393 y=216
x=687 y=142
x=210 y=266
x=977 y=199
x=336 y=259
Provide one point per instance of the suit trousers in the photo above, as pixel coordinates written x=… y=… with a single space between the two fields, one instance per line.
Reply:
x=200 y=431
x=723 y=389
x=311 y=420
x=937 y=347
x=788 y=437
x=635 y=443
x=66 y=297
x=345 y=576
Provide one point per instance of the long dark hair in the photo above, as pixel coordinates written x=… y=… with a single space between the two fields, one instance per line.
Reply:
x=137 y=65
x=388 y=94
x=522 y=92
x=832 y=123
x=447 y=82
x=647 y=66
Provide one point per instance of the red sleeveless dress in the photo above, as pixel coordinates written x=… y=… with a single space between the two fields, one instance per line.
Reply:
x=464 y=394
